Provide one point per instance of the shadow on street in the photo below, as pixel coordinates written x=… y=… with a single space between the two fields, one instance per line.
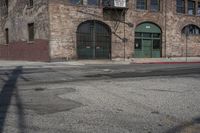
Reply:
x=183 y=126
x=8 y=92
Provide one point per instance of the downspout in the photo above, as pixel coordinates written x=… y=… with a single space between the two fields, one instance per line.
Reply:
x=49 y=34
x=164 y=2
x=124 y=40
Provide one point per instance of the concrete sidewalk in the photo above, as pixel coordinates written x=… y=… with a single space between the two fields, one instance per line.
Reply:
x=29 y=64
x=174 y=60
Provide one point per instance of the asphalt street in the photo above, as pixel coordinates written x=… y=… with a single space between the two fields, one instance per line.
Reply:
x=112 y=98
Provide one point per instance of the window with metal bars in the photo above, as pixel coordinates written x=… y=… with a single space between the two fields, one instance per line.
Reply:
x=93 y=2
x=30 y=3
x=76 y=2
x=191 y=7
x=191 y=30
x=141 y=4
x=155 y=5
x=198 y=9
x=180 y=6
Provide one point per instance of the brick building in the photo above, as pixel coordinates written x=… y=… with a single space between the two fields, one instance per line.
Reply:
x=48 y=30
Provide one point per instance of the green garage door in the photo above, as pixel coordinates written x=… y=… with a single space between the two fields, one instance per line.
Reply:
x=93 y=40
x=147 y=41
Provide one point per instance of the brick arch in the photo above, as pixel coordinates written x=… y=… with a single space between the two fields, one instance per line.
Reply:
x=92 y=19
x=99 y=21
x=182 y=25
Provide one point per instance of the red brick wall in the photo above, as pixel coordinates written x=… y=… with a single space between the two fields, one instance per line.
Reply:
x=36 y=51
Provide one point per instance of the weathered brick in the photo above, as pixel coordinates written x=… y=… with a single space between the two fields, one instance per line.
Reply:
x=56 y=21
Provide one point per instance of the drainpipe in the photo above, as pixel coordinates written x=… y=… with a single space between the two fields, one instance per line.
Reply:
x=124 y=37
x=164 y=2
x=186 y=44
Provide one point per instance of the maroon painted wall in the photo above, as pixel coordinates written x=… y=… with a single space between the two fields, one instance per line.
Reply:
x=36 y=51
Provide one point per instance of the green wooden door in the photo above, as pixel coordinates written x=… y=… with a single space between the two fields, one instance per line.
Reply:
x=147 y=41
x=93 y=40
x=85 y=46
x=147 y=48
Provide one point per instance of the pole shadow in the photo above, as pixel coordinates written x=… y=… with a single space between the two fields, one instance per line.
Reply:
x=7 y=92
x=181 y=127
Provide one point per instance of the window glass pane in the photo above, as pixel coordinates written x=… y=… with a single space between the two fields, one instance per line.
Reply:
x=147 y=35
x=191 y=7
x=85 y=28
x=156 y=44
x=138 y=44
x=155 y=5
x=30 y=3
x=180 y=6
x=102 y=29
x=137 y=34
x=92 y=2
x=198 y=10
x=76 y=2
x=141 y=4
x=156 y=35
x=191 y=30
x=107 y=3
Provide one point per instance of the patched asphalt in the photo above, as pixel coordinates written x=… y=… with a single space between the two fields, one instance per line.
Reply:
x=101 y=99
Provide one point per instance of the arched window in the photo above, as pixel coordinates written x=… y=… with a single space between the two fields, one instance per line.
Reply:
x=191 y=30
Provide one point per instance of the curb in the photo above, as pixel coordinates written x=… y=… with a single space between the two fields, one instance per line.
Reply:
x=165 y=62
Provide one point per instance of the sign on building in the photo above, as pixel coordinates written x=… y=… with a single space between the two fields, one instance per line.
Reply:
x=120 y=3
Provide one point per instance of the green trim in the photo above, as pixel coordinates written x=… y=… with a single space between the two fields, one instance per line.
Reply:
x=148 y=28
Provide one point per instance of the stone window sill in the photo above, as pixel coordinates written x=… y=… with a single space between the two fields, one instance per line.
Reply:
x=184 y=14
x=148 y=11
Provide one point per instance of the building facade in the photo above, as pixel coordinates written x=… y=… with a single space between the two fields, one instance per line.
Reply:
x=48 y=30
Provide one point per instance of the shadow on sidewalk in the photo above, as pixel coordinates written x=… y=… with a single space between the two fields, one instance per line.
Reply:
x=7 y=93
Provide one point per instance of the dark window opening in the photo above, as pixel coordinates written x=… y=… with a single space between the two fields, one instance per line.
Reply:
x=141 y=4
x=76 y=2
x=148 y=35
x=30 y=3
x=108 y=3
x=191 y=7
x=137 y=34
x=180 y=6
x=31 y=33
x=191 y=30
x=7 y=35
x=93 y=2
x=156 y=35
x=156 y=44
x=138 y=43
x=198 y=9
x=155 y=5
